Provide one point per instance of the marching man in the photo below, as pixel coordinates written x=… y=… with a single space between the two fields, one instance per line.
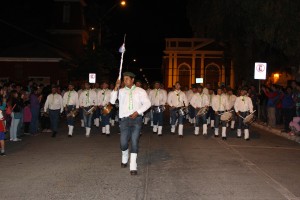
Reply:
x=198 y=101
x=71 y=103
x=243 y=105
x=231 y=101
x=88 y=101
x=176 y=100
x=189 y=96
x=54 y=104
x=133 y=102
x=103 y=100
x=220 y=105
x=158 y=98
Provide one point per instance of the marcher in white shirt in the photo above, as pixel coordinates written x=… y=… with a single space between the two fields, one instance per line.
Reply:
x=103 y=100
x=158 y=98
x=96 y=115
x=70 y=103
x=243 y=106
x=189 y=96
x=231 y=101
x=88 y=102
x=220 y=105
x=133 y=102
x=82 y=88
x=211 y=112
x=176 y=100
x=54 y=104
x=148 y=114
x=206 y=89
x=198 y=101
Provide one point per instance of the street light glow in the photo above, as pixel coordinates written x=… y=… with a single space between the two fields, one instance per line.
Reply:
x=123 y=3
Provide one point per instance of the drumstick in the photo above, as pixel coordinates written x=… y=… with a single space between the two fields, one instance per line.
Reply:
x=122 y=50
x=249 y=114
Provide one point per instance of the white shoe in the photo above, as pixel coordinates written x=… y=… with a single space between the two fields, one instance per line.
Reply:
x=17 y=140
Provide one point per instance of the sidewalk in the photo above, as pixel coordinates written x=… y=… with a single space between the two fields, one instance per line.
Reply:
x=276 y=130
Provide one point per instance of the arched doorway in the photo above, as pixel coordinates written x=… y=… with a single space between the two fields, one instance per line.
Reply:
x=212 y=75
x=184 y=75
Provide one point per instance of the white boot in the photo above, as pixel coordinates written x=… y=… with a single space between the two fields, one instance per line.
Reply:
x=133 y=164
x=112 y=122
x=97 y=120
x=223 y=132
x=82 y=123
x=208 y=121
x=107 y=129
x=232 y=124
x=125 y=156
x=103 y=130
x=239 y=133
x=212 y=123
x=196 y=130
x=216 y=131
x=194 y=120
x=204 y=129
x=71 y=130
x=159 y=130
x=246 y=131
x=146 y=120
x=87 y=132
x=155 y=129
x=180 y=129
x=152 y=123
x=173 y=129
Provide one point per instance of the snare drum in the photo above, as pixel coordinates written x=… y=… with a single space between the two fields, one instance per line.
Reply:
x=226 y=116
x=202 y=111
x=249 y=119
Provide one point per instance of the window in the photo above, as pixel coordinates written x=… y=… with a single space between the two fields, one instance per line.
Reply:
x=184 y=76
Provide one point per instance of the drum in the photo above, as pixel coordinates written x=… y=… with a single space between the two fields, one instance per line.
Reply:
x=202 y=111
x=182 y=111
x=106 y=109
x=90 y=111
x=249 y=119
x=226 y=116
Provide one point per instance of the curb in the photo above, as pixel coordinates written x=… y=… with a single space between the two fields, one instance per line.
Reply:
x=277 y=132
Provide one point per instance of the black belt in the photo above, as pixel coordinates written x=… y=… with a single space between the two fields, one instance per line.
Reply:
x=123 y=118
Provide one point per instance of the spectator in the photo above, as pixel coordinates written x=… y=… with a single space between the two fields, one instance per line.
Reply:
x=271 y=104
x=27 y=116
x=35 y=110
x=2 y=134
x=287 y=108
x=16 y=115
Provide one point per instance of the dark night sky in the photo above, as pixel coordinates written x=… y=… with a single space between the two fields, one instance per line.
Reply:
x=146 y=24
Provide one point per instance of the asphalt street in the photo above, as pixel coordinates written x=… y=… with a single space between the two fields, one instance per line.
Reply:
x=195 y=167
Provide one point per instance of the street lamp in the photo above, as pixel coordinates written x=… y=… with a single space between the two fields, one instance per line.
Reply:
x=122 y=4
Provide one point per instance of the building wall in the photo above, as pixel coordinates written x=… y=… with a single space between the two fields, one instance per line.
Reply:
x=21 y=71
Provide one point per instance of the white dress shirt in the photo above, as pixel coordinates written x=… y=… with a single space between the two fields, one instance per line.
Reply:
x=71 y=99
x=103 y=97
x=177 y=99
x=79 y=92
x=210 y=98
x=205 y=91
x=131 y=100
x=199 y=100
x=220 y=103
x=190 y=95
x=88 y=98
x=54 y=102
x=231 y=100
x=158 y=97
x=243 y=104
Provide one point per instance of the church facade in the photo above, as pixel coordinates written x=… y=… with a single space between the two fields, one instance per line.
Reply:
x=188 y=59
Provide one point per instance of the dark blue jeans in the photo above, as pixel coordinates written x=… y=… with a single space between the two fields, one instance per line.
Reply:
x=158 y=118
x=175 y=116
x=192 y=112
x=34 y=120
x=87 y=118
x=288 y=114
x=241 y=125
x=200 y=120
x=105 y=119
x=70 y=120
x=130 y=130
x=217 y=120
x=54 y=119
x=210 y=114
